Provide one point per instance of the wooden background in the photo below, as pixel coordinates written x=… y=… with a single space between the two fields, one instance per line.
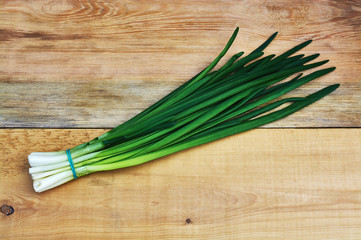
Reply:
x=94 y=64
x=70 y=70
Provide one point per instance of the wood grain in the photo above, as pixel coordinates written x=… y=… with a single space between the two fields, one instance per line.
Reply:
x=263 y=184
x=94 y=64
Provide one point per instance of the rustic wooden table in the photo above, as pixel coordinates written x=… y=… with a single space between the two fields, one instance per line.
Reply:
x=70 y=70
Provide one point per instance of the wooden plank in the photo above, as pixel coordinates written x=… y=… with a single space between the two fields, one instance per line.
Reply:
x=263 y=184
x=94 y=64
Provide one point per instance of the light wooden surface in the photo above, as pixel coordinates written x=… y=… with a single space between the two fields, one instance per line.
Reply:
x=94 y=64
x=263 y=184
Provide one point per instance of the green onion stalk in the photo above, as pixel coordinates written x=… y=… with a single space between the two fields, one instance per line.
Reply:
x=243 y=94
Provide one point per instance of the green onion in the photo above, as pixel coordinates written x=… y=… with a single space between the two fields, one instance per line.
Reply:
x=242 y=94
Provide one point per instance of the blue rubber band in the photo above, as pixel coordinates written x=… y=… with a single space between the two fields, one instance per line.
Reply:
x=71 y=163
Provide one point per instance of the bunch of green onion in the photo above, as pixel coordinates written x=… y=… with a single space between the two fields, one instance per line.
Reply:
x=239 y=96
